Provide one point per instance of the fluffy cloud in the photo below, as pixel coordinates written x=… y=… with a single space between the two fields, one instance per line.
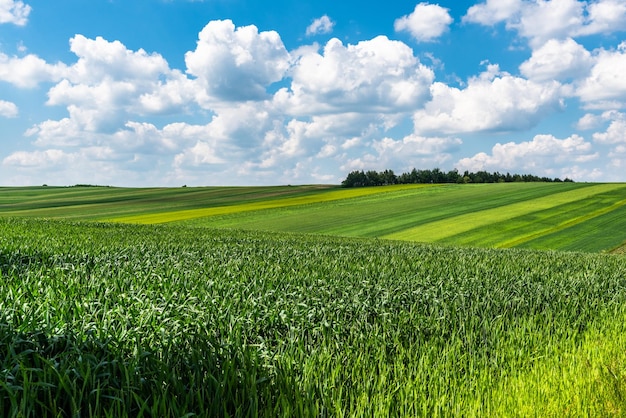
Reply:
x=139 y=152
x=99 y=59
x=616 y=131
x=605 y=87
x=60 y=133
x=94 y=165
x=493 y=11
x=8 y=109
x=533 y=157
x=236 y=63
x=320 y=25
x=426 y=23
x=377 y=76
x=415 y=151
x=541 y=20
x=201 y=153
x=324 y=136
x=588 y=121
x=41 y=159
x=110 y=82
x=29 y=71
x=14 y=11
x=339 y=105
x=236 y=133
x=558 y=60
x=494 y=101
x=604 y=16
x=544 y=20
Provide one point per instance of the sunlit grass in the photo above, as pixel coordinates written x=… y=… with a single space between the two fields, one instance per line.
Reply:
x=117 y=320
x=439 y=230
x=575 y=378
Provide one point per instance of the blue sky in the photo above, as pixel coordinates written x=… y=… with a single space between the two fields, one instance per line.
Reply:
x=240 y=92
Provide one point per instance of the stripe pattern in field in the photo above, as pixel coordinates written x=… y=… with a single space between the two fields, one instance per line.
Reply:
x=565 y=216
x=522 y=223
x=585 y=217
x=328 y=196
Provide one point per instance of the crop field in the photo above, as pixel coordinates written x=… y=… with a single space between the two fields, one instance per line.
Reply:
x=314 y=301
x=167 y=320
x=561 y=216
x=92 y=203
x=578 y=217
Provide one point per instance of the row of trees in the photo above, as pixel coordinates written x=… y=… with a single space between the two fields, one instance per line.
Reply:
x=381 y=178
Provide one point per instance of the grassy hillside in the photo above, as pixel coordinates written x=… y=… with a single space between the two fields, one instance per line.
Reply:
x=568 y=216
x=93 y=203
x=144 y=320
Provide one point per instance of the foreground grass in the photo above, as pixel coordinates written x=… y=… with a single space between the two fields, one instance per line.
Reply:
x=117 y=320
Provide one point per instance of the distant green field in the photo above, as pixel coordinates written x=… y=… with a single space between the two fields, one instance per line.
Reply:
x=582 y=217
x=587 y=217
x=97 y=203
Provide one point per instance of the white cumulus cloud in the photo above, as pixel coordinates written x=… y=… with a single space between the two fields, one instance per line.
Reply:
x=14 y=11
x=29 y=71
x=41 y=159
x=320 y=25
x=492 y=12
x=604 y=16
x=236 y=63
x=109 y=83
x=427 y=22
x=541 y=156
x=415 y=151
x=605 y=86
x=8 y=109
x=495 y=101
x=542 y=20
x=378 y=75
x=558 y=60
x=616 y=131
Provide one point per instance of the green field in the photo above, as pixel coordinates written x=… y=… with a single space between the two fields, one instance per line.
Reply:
x=313 y=301
x=563 y=216
x=142 y=320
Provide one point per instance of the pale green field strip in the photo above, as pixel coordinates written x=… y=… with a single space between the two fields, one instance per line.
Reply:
x=328 y=196
x=606 y=232
x=440 y=230
x=571 y=222
x=380 y=214
x=557 y=221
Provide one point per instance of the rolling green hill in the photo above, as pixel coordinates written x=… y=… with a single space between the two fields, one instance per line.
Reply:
x=564 y=216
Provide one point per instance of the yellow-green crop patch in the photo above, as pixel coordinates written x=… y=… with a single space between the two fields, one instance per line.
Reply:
x=334 y=195
x=449 y=227
x=570 y=216
x=486 y=215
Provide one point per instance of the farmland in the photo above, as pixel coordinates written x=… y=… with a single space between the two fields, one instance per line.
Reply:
x=167 y=320
x=562 y=216
x=314 y=301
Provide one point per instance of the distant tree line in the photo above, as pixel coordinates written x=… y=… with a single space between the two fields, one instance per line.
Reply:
x=415 y=176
